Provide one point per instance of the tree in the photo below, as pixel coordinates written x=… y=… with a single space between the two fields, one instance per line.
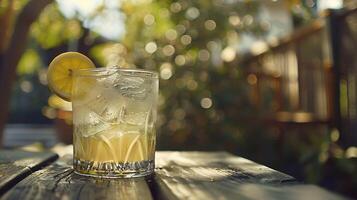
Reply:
x=14 y=34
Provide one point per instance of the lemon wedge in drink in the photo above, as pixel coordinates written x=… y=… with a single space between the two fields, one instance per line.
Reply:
x=60 y=72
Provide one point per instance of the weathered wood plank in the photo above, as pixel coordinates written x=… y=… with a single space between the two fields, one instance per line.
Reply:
x=58 y=181
x=211 y=165
x=16 y=165
x=220 y=175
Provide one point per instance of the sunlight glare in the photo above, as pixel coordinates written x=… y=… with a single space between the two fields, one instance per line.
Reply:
x=102 y=17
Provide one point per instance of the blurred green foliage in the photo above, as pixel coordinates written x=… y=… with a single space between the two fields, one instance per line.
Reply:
x=52 y=29
x=30 y=62
x=202 y=97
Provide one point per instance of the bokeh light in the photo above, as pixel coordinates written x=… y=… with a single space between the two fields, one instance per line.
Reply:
x=203 y=55
x=192 y=13
x=206 y=103
x=180 y=60
x=149 y=19
x=228 y=54
x=151 y=47
x=166 y=71
x=186 y=39
x=171 y=34
x=168 y=50
x=210 y=25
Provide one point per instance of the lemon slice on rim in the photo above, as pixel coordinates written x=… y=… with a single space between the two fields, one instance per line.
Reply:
x=60 y=72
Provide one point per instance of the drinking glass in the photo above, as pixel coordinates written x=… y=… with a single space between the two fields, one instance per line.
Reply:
x=114 y=114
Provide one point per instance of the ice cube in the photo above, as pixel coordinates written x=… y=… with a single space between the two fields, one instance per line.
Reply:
x=114 y=130
x=132 y=87
x=88 y=123
x=106 y=103
x=110 y=78
x=135 y=118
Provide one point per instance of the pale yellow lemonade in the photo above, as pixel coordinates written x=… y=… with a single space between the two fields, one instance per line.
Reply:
x=132 y=146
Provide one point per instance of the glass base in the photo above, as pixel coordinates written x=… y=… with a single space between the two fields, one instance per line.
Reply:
x=112 y=169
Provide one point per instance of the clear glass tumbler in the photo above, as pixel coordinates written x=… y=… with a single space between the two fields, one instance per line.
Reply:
x=114 y=114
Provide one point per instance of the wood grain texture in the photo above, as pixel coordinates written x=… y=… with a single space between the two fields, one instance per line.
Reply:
x=220 y=175
x=58 y=181
x=179 y=175
x=16 y=165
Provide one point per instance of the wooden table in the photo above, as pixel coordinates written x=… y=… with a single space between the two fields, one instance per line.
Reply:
x=178 y=175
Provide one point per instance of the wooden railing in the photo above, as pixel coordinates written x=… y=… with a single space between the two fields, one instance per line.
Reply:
x=310 y=76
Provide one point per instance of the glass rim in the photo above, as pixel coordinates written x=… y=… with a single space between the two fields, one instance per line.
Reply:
x=107 y=71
